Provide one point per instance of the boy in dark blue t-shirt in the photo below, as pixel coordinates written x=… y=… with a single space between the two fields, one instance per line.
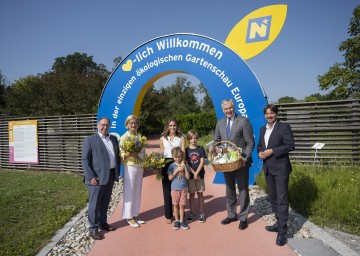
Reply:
x=195 y=157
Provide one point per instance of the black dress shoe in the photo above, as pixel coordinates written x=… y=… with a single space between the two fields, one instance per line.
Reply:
x=228 y=220
x=281 y=239
x=273 y=228
x=107 y=227
x=96 y=235
x=243 y=225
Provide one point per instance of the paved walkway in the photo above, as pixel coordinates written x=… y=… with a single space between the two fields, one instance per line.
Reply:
x=209 y=238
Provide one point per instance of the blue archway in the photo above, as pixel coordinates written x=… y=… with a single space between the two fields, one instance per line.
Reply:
x=221 y=70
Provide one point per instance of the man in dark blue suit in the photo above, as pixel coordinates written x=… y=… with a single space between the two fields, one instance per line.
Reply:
x=100 y=162
x=275 y=142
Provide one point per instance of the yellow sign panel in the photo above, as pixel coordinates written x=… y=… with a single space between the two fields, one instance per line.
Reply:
x=255 y=32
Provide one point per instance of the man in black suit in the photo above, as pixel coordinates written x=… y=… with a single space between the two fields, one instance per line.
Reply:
x=275 y=142
x=100 y=162
x=236 y=129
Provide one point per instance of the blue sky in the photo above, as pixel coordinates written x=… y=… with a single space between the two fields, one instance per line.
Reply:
x=34 y=33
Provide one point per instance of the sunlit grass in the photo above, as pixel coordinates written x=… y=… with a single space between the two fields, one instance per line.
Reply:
x=327 y=195
x=34 y=206
x=203 y=140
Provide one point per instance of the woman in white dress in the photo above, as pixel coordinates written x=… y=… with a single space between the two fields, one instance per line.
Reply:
x=133 y=175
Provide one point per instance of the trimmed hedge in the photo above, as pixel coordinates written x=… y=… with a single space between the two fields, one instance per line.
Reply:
x=204 y=123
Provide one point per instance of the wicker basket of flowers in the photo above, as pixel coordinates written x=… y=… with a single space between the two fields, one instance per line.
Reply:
x=227 y=157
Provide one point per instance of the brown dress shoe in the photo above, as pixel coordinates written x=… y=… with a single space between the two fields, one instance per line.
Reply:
x=107 y=227
x=228 y=220
x=273 y=228
x=243 y=225
x=281 y=239
x=96 y=235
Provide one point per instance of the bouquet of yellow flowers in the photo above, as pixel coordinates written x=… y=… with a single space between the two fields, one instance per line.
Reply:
x=155 y=161
x=133 y=144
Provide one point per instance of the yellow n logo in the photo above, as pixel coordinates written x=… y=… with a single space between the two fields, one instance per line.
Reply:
x=255 y=32
x=258 y=29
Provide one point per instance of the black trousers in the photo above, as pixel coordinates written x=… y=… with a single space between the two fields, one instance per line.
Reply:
x=166 y=185
x=277 y=187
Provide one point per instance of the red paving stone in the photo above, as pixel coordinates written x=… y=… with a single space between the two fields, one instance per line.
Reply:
x=209 y=238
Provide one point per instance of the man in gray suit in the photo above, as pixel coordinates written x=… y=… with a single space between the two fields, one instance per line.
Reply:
x=100 y=162
x=236 y=129
x=275 y=142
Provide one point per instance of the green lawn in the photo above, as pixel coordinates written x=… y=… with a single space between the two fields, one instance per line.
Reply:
x=34 y=206
x=329 y=196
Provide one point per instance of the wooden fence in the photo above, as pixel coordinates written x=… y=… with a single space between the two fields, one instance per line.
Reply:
x=335 y=123
x=60 y=142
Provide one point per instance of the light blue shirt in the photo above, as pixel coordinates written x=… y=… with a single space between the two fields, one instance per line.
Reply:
x=176 y=183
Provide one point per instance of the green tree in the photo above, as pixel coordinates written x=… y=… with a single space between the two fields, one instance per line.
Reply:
x=152 y=112
x=180 y=97
x=25 y=97
x=173 y=100
x=343 y=79
x=70 y=93
x=3 y=85
x=287 y=99
x=318 y=97
x=79 y=63
x=73 y=86
x=206 y=103
x=116 y=61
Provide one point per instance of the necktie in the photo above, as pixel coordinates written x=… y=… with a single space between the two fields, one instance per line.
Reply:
x=228 y=129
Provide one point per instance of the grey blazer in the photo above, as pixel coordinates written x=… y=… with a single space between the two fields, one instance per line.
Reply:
x=95 y=159
x=241 y=134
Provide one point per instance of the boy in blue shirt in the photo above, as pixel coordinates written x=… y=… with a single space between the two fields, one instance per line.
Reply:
x=178 y=177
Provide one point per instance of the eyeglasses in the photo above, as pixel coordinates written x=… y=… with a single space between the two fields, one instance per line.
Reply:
x=104 y=125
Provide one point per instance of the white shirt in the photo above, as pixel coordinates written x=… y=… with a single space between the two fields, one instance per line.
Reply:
x=268 y=133
x=169 y=145
x=109 y=148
